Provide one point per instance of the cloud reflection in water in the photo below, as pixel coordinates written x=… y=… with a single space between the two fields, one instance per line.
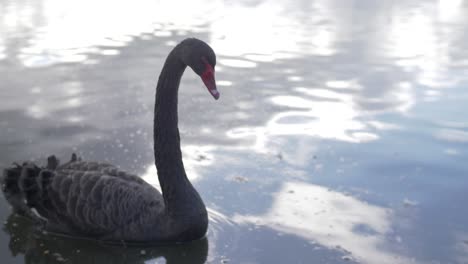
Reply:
x=332 y=219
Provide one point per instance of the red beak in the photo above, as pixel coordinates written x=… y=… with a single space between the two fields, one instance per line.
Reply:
x=209 y=80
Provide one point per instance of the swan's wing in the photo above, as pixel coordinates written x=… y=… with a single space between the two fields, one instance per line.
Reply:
x=84 y=198
x=100 y=168
x=77 y=165
x=90 y=202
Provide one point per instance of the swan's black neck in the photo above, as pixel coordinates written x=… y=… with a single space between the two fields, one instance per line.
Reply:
x=179 y=195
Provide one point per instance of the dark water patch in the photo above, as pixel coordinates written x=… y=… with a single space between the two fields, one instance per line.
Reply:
x=44 y=248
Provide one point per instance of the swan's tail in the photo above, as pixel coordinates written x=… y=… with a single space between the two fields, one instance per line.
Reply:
x=18 y=183
x=24 y=185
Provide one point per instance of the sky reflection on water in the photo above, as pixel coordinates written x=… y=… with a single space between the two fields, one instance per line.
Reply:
x=339 y=137
x=330 y=218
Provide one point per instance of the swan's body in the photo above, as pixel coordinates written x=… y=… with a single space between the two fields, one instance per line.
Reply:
x=98 y=200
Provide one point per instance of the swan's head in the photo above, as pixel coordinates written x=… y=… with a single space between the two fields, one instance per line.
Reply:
x=202 y=59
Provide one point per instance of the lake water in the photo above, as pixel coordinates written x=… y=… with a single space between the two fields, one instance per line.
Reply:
x=340 y=136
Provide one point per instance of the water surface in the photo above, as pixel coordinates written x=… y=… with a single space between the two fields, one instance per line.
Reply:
x=340 y=135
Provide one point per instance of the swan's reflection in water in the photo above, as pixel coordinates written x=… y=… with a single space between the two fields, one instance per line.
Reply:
x=44 y=248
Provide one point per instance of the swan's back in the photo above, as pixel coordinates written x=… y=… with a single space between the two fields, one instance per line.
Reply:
x=86 y=198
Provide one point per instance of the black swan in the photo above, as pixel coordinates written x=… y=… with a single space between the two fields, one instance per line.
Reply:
x=99 y=201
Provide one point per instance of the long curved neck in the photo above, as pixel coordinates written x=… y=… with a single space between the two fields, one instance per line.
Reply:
x=177 y=191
